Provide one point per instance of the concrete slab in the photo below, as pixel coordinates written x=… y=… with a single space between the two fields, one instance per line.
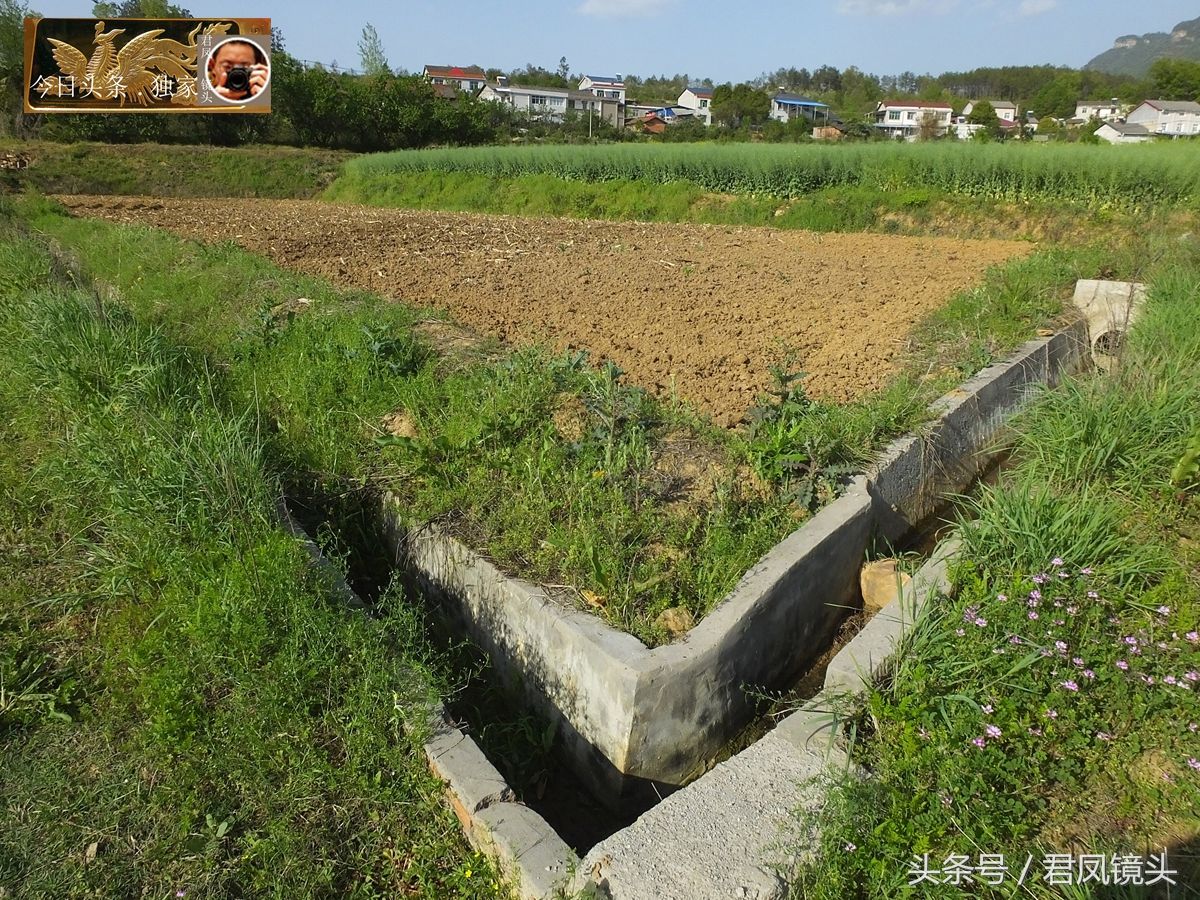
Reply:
x=528 y=851
x=474 y=783
x=732 y=834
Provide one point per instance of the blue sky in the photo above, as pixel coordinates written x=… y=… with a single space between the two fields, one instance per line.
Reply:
x=722 y=40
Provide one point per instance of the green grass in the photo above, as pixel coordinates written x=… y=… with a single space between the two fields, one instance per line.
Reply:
x=1092 y=177
x=185 y=705
x=1089 y=680
x=594 y=504
x=159 y=170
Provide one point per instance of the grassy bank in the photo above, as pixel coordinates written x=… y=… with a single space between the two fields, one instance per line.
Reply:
x=186 y=708
x=159 y=170
x=1050 y=705
x=559 y=471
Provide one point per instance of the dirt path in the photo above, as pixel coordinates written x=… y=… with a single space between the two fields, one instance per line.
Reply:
x=696 y=309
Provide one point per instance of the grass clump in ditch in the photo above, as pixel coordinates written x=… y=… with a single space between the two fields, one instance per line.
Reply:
x=186 y=705
x=1050 y=705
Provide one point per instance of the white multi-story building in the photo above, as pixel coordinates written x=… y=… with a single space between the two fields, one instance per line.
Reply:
x=699 y=99
x=1174 y=118
x=552 y=104
x=904 y=118
x=1104 y=110
x=610 y=88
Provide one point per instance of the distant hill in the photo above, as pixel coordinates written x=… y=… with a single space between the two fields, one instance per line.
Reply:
x=1133 y=54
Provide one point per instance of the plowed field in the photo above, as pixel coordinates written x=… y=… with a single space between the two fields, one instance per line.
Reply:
x=697 y=310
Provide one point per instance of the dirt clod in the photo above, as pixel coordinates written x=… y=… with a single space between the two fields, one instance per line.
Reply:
x=676 y=621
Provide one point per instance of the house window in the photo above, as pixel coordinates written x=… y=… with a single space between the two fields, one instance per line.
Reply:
x=537 y=100
x=894 y=115
x=911 y=115
x=704 y=104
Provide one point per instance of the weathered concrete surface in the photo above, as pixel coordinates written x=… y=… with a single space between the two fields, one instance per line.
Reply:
x=917 y=472
x=869 y=653
x=732 y=834
x=528 y=851
x=782 y=614
x=473 y=783
x=1109 y=308
x=636 y=720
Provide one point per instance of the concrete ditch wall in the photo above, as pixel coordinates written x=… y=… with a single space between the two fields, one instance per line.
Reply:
x=638 y=721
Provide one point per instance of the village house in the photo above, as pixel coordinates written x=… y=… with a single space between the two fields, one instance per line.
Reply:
x=609 y=87
x=1174 y=118
x=785 y=107
x=552 y=104
x=463 y=78
x=904 y=118
x=699 y=99
x=1124 y=133
x=1006 y=111
x=1104 y=110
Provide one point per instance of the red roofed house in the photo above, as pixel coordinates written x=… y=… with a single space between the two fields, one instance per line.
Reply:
x=903 y=118
x=463 y=78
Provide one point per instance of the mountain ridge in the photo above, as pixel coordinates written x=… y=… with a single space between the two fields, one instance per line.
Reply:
x=1133 y=54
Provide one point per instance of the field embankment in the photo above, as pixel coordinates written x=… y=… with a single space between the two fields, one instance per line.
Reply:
x=172 y=170
x=187 y=707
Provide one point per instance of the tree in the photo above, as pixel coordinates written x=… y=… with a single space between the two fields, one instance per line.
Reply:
x=1175 y=79
x=564 y=69
x=372 y=58
x=984 y=114
x=740 y=105
x=139 y=9
x=929 y=128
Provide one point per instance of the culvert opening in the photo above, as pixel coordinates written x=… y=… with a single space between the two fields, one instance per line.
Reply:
x=344 y=521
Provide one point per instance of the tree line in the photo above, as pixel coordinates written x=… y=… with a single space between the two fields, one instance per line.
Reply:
x=385 y=108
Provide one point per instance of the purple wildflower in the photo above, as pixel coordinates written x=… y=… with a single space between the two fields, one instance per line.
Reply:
x=1193 y=636
x=1040 y=579
x=1164 y=610
x=993 y=731
x=960 y=631
x=1060 y=646
x=1077 y=660
x=1070 y=685
x=987 y=708
x=1001 y=597
x=980 y=621
x=1194 y=763
x=1036 y=732
x=979 y=742
x=1085 y=571
x=1033 y=614
x=1092 y=595
x=1192 y=675
x=1089 y=674
x=1057 y=561
x=1064 y=574
x=1035 y=595
x=1052 y=713
x=1122 y=665
x=1015 y=639
x=1104 y=735
x=1169 y=679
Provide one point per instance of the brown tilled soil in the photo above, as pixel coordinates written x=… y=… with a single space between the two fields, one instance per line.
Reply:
x=698 y=310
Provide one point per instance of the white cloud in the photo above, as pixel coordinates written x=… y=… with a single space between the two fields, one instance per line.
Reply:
x=893 y=7
x=1035 y=7
x=615 y=9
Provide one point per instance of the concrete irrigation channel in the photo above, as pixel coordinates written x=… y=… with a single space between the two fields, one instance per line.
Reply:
x=642 y=729
x=638 y=720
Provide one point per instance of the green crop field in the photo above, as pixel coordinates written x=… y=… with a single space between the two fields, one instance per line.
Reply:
x=1097 y=177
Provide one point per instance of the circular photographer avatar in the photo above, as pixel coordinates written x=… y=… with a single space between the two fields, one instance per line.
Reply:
x=237 y=70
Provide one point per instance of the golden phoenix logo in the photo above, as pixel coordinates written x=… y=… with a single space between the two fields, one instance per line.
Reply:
x=148 y=69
